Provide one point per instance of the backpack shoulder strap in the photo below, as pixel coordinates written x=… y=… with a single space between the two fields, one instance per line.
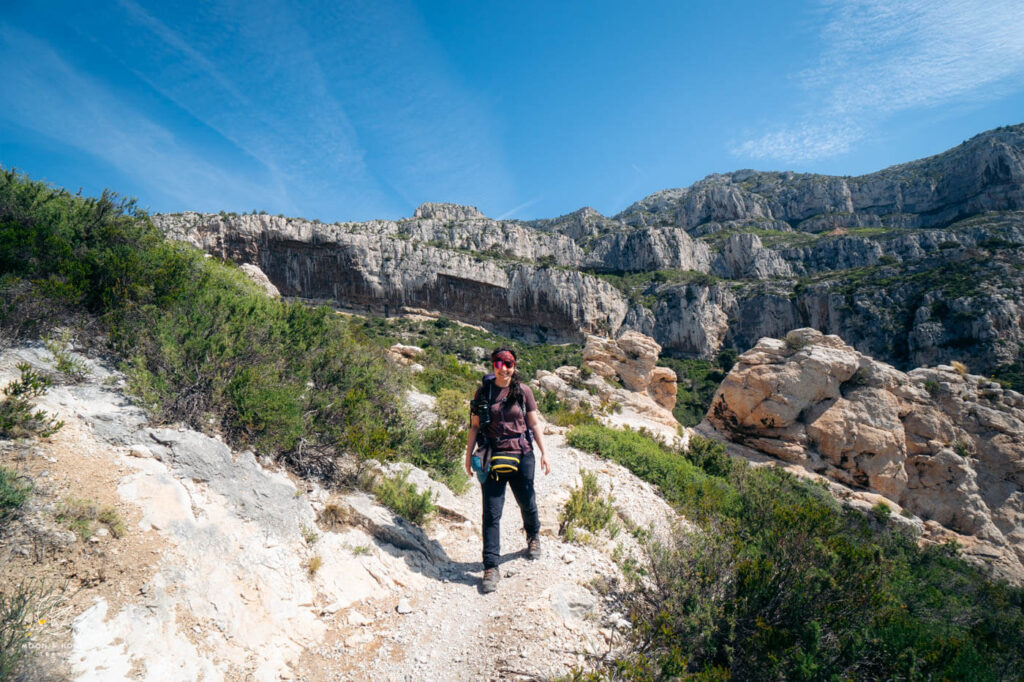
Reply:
x=488 y=382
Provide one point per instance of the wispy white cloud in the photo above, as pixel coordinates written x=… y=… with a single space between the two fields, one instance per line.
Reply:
x=804 y=142
x=334 y=110
x=521 y=207
x=46 y=94
x=268 y=98
x=338 y=117
x=881 y=57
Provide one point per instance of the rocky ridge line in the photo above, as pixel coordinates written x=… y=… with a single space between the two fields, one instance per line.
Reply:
x=881 y=259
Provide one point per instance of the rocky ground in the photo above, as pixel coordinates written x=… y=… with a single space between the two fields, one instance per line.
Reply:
x=229 y=568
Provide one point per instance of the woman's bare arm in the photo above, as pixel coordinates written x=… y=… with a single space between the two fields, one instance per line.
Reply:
x=538 y=438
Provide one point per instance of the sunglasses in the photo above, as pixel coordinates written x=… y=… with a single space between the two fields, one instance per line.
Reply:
x=505 y=364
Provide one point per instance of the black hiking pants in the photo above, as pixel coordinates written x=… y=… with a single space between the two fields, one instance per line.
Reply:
x=493 y=490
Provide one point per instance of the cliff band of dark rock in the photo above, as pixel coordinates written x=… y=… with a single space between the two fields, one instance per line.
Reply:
x=915 y=264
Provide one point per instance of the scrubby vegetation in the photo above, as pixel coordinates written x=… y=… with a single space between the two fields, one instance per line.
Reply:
x=401 y=496
x=23 y=609
x=199 y=343
x=587 y=511
x=81 y=516
x=639 y=287
x=447 y=341
x=14 y=490
x=25 y=605
x=444 y=443
x=18 y=419
x=780 y=582
x=697 y=381
x=68 y=366
x=563 y=414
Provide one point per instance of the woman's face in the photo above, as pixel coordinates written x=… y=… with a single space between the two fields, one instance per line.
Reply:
x=503 y=369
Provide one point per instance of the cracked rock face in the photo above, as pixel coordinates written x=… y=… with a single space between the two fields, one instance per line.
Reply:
x=940 y=443
x=915 y=264
x=984 y=174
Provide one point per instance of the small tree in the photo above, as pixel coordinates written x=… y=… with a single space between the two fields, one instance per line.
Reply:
x=17 y=420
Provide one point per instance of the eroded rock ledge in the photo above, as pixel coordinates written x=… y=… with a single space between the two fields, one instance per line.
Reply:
x=939 y=443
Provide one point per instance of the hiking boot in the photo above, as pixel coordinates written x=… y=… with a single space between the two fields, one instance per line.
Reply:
x=490 y=580
x=533 y=550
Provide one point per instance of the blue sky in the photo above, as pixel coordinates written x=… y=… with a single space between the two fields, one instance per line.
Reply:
x=365 y=109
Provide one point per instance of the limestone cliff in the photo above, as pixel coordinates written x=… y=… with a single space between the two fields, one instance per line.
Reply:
x=915 y=264
x=983 y=174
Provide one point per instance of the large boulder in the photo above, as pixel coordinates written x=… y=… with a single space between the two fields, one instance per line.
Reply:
x=938 y=443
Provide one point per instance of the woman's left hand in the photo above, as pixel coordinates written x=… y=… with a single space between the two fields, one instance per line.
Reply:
x=545 y=467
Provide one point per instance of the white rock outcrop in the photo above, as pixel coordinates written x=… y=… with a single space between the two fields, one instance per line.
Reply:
x=941 y=444
x=620 y=372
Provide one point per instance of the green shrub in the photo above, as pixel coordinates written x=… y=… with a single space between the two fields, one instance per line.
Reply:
x=17 y=418
x=70 y=367
x=23 y=610
x=25 y=312
x=445 y=371
x=709 y=456
x=400 y=495
x=111 y=518
x=442 y=446
x=560 y=413
x=780 y=582
x=81 y=517
x=963 y=448
x=13 y=492
x=586 y=508
x=680 y=481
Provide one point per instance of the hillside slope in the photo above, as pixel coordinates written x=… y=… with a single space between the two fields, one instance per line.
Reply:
x=212 y=577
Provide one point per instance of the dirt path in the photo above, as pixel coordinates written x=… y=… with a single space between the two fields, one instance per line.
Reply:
x=213 y=580
x=547 y=616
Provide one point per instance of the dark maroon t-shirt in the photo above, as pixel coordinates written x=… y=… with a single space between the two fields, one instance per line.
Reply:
x=507 y=421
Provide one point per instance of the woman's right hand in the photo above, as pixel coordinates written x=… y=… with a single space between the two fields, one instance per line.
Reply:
x=467 y=464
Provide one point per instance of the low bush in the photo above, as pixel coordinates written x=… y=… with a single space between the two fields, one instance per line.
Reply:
x=17 y=417
x=562 y=414
x=679 y=480
x=25 y=312
x=69 y=367
x=400 y=495
x=14 y=491
x=587 y=508
x=780 y=582
x=81 y=516
x=442 y=446
x=23 y=609
x=444 y=371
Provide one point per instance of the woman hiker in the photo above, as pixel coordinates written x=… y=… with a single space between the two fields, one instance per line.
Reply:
x=509 y=428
